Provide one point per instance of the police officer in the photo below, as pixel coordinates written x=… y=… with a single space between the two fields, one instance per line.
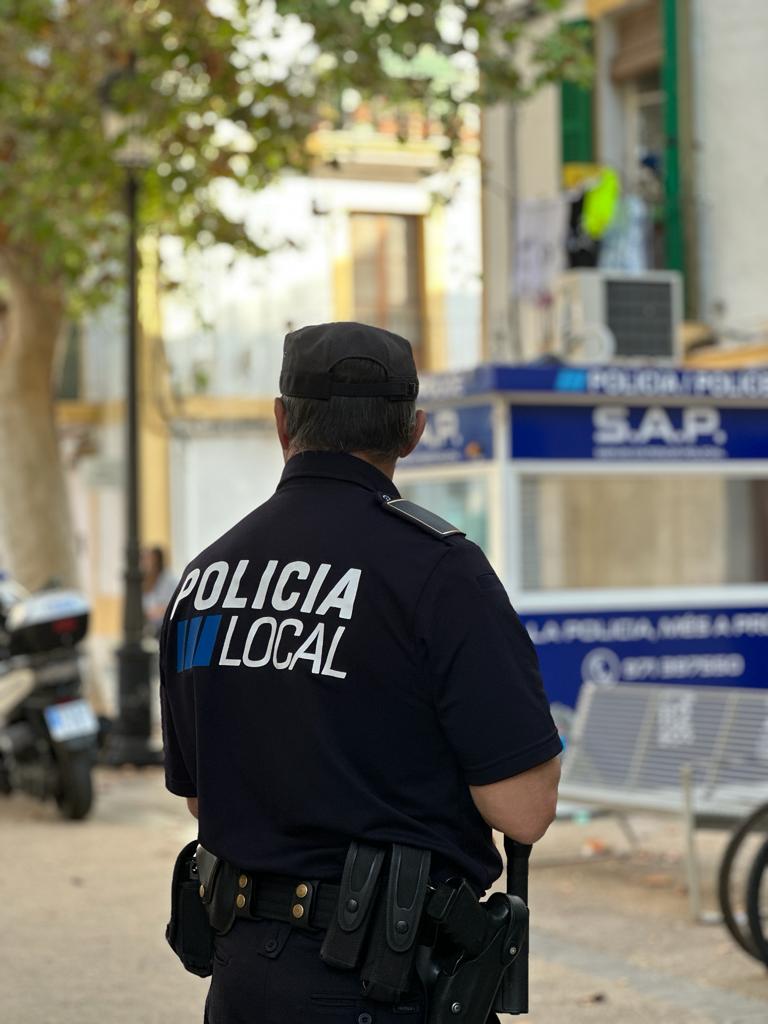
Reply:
x=344 y=666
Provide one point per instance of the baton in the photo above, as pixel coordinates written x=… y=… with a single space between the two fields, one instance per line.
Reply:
x=512 y=996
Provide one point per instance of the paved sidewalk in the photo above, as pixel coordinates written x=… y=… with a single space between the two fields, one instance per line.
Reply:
x=84 y=908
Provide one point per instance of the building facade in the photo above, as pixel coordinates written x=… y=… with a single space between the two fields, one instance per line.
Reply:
x=378 y=232
x=676 y=114
x=667 y=144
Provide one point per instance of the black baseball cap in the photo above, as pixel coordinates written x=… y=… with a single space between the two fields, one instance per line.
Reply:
x=311 y=353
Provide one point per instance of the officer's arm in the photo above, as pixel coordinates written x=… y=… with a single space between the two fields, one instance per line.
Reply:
x=523 y=806
x=192 y=805
x=488 y=694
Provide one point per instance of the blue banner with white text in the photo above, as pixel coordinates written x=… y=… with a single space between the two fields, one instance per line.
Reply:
x=630 y=433
x=644 y=383
x=454 y=434
x=714 y=646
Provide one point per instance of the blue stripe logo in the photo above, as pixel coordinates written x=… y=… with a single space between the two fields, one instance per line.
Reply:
x=571 y=380
x=195 y=640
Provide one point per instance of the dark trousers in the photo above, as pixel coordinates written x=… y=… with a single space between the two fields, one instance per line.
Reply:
x=266 y=972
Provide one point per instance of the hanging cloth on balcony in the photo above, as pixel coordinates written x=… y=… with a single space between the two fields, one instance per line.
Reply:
x=601 y=203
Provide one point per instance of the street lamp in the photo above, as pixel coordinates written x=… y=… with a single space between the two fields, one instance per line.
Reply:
x=128 y=742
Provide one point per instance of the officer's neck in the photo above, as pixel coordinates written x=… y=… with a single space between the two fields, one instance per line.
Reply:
x=385 y=466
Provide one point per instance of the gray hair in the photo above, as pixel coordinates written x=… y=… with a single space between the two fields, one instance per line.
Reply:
x=377 y=425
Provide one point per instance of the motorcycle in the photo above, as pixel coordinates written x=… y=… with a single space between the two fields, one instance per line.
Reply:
x=48 y=731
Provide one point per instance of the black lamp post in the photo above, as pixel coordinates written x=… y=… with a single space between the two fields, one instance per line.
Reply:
x=128 y=742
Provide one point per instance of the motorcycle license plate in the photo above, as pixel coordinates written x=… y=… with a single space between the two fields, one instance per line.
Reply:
x=71 y=721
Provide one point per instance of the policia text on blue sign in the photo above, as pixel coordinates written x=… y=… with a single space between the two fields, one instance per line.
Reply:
x=349 y=703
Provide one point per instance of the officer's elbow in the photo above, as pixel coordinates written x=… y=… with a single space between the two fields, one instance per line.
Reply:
x=523 y=806
x=532 y=829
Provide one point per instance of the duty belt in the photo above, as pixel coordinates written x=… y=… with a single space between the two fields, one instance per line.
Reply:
x=302 y=904
x=390 y=926
x=229 y=893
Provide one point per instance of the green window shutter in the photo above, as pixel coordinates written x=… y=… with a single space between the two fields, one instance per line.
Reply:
x=674 y=242
x=577 y=122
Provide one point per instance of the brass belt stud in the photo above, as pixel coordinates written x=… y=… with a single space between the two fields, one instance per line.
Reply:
x=301 y=890
x=240 y=900
x=297 y=910
x=201 y=890
x=242 y=881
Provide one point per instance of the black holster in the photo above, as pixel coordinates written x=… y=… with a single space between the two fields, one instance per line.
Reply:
x=490 y=971
x=464 y=979
x=189 y=932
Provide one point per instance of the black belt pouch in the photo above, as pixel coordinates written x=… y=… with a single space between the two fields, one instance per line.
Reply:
x=189 y=932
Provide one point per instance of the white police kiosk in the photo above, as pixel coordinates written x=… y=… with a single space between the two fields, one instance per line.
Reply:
x=625 y=509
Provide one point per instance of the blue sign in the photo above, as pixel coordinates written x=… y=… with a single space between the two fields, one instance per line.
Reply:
x=640 y=382
x=653 y=433
x=719 y=647
x=455 y=434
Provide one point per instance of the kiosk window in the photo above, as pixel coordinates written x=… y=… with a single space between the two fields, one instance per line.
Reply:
x=464 y=503
x=643 y=531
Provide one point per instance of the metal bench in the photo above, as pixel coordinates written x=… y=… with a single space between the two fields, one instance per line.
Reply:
x=697 y=751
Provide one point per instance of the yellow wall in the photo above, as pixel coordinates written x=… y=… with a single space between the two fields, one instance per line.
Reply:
x=597 y=8
x=723 y=359
x=433 y=287
x=343 y=292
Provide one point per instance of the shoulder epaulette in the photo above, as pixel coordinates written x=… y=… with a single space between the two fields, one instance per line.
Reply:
x=422 y=517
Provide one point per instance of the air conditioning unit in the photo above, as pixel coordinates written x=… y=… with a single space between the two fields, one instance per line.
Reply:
x=602 y=315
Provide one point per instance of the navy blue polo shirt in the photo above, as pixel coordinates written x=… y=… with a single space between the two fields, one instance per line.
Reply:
x=331 y=671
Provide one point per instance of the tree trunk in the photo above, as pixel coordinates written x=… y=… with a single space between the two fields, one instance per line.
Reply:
x=36 y=539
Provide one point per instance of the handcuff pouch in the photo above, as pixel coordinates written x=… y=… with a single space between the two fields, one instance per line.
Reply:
x=189 y=932
x=218 y=889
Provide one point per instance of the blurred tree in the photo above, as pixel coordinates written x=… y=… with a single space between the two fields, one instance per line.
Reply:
x=227 y=89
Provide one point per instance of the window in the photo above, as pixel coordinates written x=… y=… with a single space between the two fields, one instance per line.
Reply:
x=636 y=70
x=643 y=531
x=644 y=151
x=386 y=275
x=464 y=503
x=649 y=127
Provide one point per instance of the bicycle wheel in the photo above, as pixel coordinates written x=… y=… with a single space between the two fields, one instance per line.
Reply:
x=734 y=871
x=757 y=902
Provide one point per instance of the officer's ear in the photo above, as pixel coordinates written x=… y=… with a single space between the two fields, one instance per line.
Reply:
x=281 y=421
x=418 y=430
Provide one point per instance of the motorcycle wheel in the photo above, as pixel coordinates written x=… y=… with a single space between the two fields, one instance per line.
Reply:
x=74 y=795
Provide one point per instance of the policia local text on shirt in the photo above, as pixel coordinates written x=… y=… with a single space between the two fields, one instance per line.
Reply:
x=350 y=704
